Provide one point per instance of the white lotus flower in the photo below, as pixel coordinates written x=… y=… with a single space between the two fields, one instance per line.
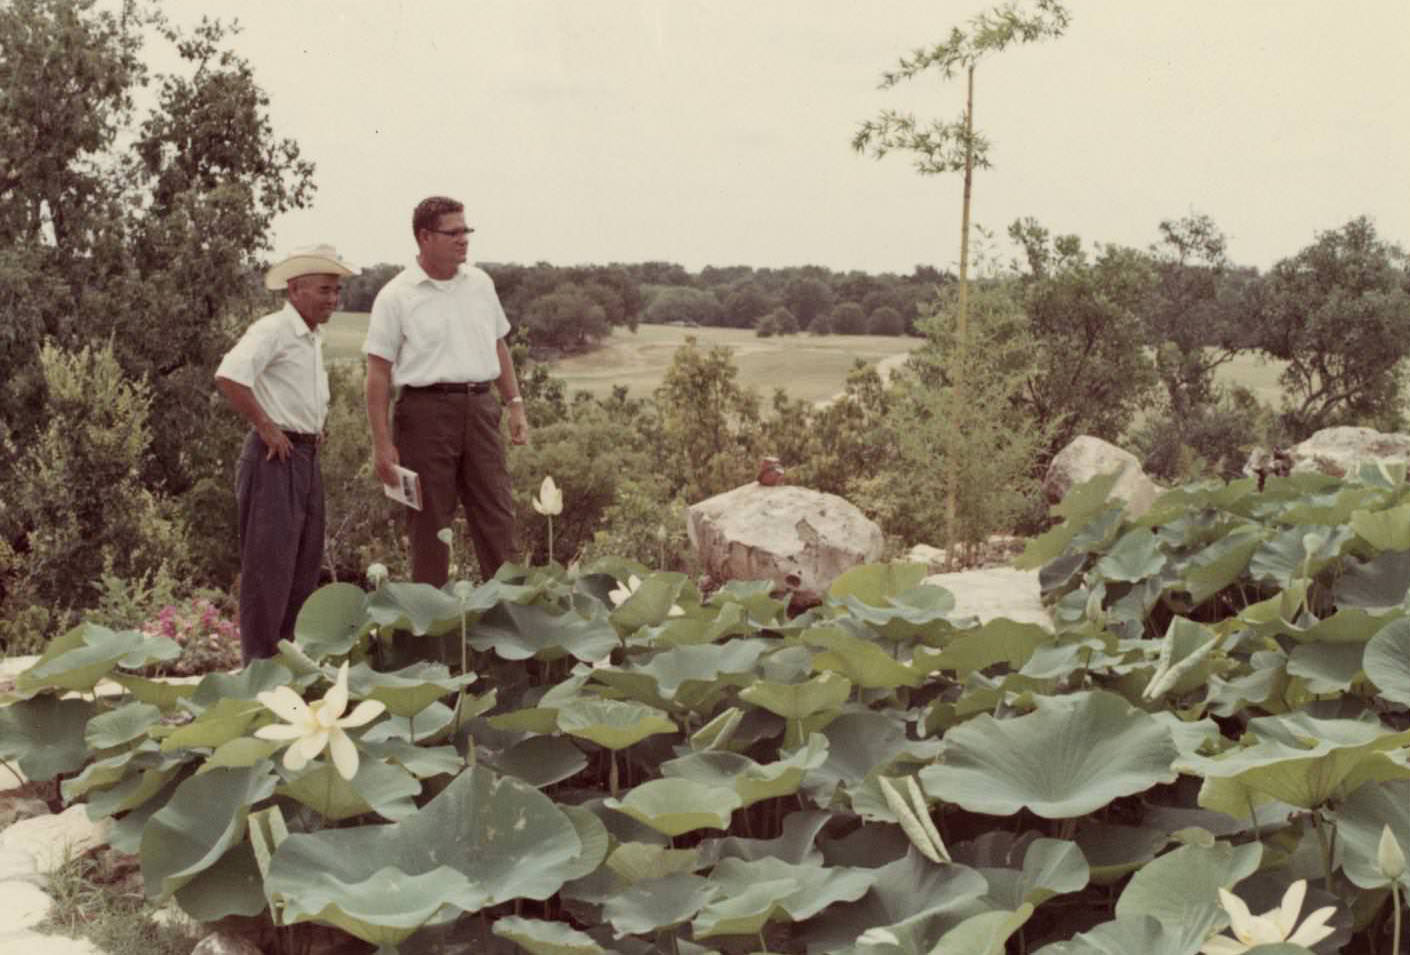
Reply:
x=550 y=499
x=376 y=573
x=444 y=535
x=623 y=592
x=312 y=726
x=1389 y=856
x=1272 y=926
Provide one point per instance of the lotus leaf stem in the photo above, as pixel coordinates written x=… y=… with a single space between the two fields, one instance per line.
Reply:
x=612 y=783
x=1395 y=909
x=1326 y=851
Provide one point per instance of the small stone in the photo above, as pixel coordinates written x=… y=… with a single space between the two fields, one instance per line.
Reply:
x=220 y=943
x=53 y=840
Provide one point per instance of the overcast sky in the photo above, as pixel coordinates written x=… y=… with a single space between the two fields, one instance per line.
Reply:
x=717 y=132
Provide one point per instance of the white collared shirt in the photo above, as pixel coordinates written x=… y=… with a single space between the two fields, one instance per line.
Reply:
x=434 y=330
x=281 y=359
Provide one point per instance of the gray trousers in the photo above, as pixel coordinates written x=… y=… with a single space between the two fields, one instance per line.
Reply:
x=453 y=442
x=281 y=541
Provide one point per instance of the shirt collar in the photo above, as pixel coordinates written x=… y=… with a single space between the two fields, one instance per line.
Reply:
x=418 y=274
x=296 y=323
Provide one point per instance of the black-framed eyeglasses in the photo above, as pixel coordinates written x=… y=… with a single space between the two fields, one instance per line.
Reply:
x=453 y=233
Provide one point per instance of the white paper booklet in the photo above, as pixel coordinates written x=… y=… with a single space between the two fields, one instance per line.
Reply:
x=407 y=490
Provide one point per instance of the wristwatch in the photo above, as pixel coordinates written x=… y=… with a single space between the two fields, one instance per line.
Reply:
x=516 y=400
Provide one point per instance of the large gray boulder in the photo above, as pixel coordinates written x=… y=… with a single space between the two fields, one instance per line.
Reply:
x=1087 y=457
x=1341 y=451
x=991 y=593
x=766 y=533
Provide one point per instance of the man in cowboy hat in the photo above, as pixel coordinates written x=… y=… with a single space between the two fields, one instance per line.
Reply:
x=437 y=333
x=274 y=377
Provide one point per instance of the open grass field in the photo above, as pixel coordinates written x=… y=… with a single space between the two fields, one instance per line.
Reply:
x=809 y=367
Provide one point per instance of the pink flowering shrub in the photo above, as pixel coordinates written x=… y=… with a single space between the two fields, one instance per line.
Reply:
x=209 y=640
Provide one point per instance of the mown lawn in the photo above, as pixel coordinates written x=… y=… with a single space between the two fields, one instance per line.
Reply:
x=809 y=367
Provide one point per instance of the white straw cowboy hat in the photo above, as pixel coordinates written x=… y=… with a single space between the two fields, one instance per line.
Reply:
x=314 y=260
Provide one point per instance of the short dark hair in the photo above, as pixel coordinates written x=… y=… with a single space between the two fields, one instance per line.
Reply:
x=429 y=211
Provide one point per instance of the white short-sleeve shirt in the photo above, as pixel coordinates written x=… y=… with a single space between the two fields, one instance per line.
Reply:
x=281 y=359
x=433 y=330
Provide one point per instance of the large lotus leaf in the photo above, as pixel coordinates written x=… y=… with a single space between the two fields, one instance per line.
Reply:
x=1181 y=888
x=755 y=597
x=750 y=893
x=258 y=677
x=876 y=584
x=418 y=608
x=645 y=862
x=1222 y=562
x=711 y=664
x=102 y=773
x=540 y=760
x=428 y=724
x=158 y=693
x=376 y=787
x=1387 y=661
x=78 y=659
x=794 y=701
x=1050 y=867
x=483 y=840
x=1300 y=760
x=657 y=903
x=201 y=821
x=860 y=744
x=649 y=604
x=409 y=690
x=422 y=762
x=1326 y=667
x=545 y=938
x=984 y=934
x=221 y=723
x=1346 y=626
x=122 y=725
x=594 y=841
x=332 y=620
x=731 y=620
x=1384 y=530
x=911 y=900
x=1286 y=557
x=676 y=806
x=44 y=735
x=1335 y=506
x=862 y=661
x=751 y=781
x=924 y=611
x=1183 y=663
x=612 y=723
x=1266 y=684
x=1113 y=851
x=1377 y=584
x=240 y=752
x=233 y=886
x=518 y=632
x=1130 y=935
x=999 y=641
x=133 y=791
x=796 y=844
x=1070 y=757
x=1136 y=555
x=1083 y=504
x=1360 y=822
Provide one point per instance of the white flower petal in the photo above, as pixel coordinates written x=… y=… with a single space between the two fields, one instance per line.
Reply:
x=538 y=507
x=444 y=535
x=1389 y=856
x=311 y=745
x=1315 y=928
x=336 y=699
x=1285 y=915
x=1223 y=945
x=365 y=712
x=675 y=611
x=1240 y=917
x=279 y=731
x=344 y=753
x=294 y=760
x=285 y=704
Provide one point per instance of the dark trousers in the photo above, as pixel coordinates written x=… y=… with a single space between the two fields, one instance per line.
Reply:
x=281 y=541
x=452 y=441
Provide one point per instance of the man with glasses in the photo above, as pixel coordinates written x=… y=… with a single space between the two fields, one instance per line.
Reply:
x=437 y=334
x=274 y=377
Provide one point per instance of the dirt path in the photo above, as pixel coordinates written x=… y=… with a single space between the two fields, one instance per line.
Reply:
x=884 y=368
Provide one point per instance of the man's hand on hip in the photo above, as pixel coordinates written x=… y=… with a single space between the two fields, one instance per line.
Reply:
x=276 y=441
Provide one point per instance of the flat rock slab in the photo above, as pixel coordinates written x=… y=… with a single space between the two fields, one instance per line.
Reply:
x=33 y=943
x=52 y=840
x=994 y=592
x=22 y=907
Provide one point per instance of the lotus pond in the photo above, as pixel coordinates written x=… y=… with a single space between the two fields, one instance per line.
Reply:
x=554 y=762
